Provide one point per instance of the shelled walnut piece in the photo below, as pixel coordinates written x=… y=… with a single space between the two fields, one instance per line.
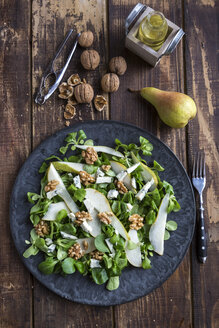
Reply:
x=105 y=217
x=75 y=251
x=85 y=244
x=65 y=91
x=42 y=229
x=136 y=222
x=100 y=102
x=51 y=185
x=86 y=178
x=97 y=255
x=121 y=187
x=82 y=216
x=106 y=168
x=90 y=155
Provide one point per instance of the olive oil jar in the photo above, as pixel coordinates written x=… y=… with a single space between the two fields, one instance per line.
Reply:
x=150 y=35
x=153 y=30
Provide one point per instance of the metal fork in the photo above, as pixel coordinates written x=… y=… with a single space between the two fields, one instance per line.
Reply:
x=199 y=180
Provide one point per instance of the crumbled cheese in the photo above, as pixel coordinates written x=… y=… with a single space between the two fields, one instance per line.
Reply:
x=48 y=241
x=133 y=183
x=70 y=175
x=86 y=227
x=77 y=181
x=51 y=248
x=141 y=194
x=51 y=194
x=116 y=232
x=67 y=235
x=132 y=168
x=103 y=180
x=113 y=193
x=72 y=217
x=129 y=207
x=121 y=175
x=95 y=263
x=110 y=246
x=99 y=173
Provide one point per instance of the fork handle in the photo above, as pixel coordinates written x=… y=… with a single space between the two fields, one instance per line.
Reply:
x=202 y=239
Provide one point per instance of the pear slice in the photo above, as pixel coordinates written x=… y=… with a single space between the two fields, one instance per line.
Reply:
x=102 y=149
x=95 y=224
x=90 y=243
x=147 y=173
x=101 y=204
x=52 y=174
x=117 y=168
x=157 y=230
x=68 y=166
x=134 y=255
x=53 y=210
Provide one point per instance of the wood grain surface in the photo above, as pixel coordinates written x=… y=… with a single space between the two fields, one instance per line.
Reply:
x=30 y=33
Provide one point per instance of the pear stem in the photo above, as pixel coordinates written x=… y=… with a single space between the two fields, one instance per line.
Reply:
x=131 y=90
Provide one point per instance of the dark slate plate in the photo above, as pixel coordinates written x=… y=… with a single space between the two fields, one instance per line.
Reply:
x=134 y=282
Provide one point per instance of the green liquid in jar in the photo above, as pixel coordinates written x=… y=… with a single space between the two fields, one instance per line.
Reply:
x=153 y=30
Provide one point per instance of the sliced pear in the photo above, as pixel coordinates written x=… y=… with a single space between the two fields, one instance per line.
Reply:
x=147 y=173
x=134 y=255
x=53 y=210
x=102 y=149
x=157 y=230
x=68 y=166
x=90 y=244
x=101 y=204
x=95 y=224
x=117 y=168
x=52 y=174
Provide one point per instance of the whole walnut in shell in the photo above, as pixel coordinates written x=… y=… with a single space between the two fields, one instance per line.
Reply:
x=86 y=39
x=118 y=65
x=84 y=93
x=90 y=59
x=110 y=82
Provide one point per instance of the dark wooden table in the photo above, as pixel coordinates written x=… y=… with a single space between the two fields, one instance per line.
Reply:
x=30 y=32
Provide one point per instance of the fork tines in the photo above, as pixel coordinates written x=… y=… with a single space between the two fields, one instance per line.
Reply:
x=199 y=165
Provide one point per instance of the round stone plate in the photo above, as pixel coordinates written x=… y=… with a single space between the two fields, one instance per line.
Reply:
x=134 y=282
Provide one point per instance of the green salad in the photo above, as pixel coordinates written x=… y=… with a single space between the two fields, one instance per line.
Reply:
x=100 y=209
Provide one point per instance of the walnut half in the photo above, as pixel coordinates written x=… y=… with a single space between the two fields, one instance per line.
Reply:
x=136 y=222
x=100 y=102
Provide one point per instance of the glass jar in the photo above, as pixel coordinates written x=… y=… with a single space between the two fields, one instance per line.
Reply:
x=153 y=30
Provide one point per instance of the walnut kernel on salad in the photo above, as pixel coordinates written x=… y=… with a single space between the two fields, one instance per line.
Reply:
x=99 y=210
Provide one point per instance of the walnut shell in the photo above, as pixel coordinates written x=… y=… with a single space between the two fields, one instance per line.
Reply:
x=118 y=65
x=110 y=82
x=100 y=102
x=66 y=91
x=73 y=80
x=86 y=39
x=90 y=59
x=84 y=93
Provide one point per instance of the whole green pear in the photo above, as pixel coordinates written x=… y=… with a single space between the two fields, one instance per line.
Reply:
x=174 y=108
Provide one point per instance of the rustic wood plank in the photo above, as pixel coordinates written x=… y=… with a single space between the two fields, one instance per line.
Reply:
x=15 y=143
x=51 y=20
x=202 y=83
x=168 y=306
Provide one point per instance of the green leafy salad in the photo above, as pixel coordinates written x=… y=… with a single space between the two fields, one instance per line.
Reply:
x=100 y=209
